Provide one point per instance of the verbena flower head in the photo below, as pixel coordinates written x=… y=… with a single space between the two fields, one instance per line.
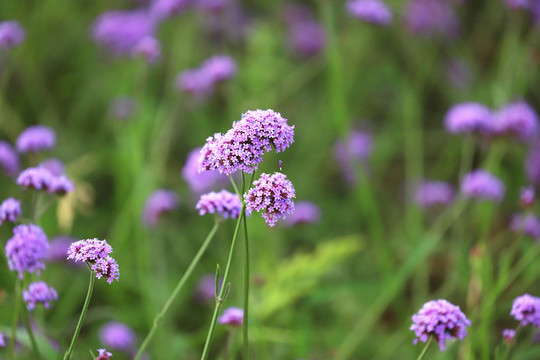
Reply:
x=40 y=178
x=39 y=293
x=232 y=316
x=431 y=18
x=440 y=319
x=9 y=160
x=117 y=335
x=27 y=249
x=357 y=147
x=61 y=185
x=200 y=182
x=223 y=203
x=526 y=310
x=272 y=195
x=55 y=166
x=106 y=267
x=307 y=36
x=517 y=119
x=508 y=335
x=432 y=193
x=158 y=203
x=371 y=11
x=58 y=248
x=10 y=210
x=149 y=48
x=467 y=117
x=532 y=164
x=89 y=250
x=35 y=139
x=528 y=224
x=195 y=82
x=220 y=67
x=164 y=9
x=103 y=354
x=480 y=184
x=11 y=34
x=527 y=197
x=305 y=212
x=2 y=340
x=243 y=146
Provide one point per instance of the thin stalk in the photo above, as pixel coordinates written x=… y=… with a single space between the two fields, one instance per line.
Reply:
x=423 y=353
x=28 y=327
x=245 y=327
x=219 y=299
x=158 y=320
x=67 y=355
x=11 y=345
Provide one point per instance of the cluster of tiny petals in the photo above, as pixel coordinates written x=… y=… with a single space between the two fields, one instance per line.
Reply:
x=528 y=224
x=432 y=193
x=223 y=203
x=103 y=354
x=41 y=179
x=468 y=117
x=36 y=138
x=11 y=34
x=481 y=184
x=517 y=119
x=372 y=11
x=10 y=210
x=39 y=293
x=88 y=250
x=232 y=316
x=27 y=249
x=106 y=267
x=440 y=319
x=272 y=195
x=526 y=310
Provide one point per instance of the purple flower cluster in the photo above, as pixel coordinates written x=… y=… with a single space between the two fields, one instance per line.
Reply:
x=158 y=203
x=517 y=119
x=35 y=139
x=526 y=310
x=201 y=81
x=40 y=178
x=10 y=210
x=149 y=48
x=11 y=34
x=200 y=182
x=9 y=160
x=273 y=195
x=223 y=203
x=95 y=253
x=467 y=117
x=431 y=18
x=440 y=319
x=2 y=340
x=117 y=335
x=27 y=249
x=508 y=335
x=55 y=166
x=164 y=9
x=232 y=316
x=306 y=35
x=528 y=224
x=243 y=146
x=305 y=212
x=527 y=197
x=103 y=354
x=371 y=11
x=432 y=193
x=39 y=293
x=357 y=147
x=480 y=184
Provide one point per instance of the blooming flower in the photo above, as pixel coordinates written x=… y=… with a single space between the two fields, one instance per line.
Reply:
x=431 y=193
x=2 y=340
x=55 y=166
x=200 y=182
x=440 y=319
x=158 y=203
x=431 y=18
x=481 y=184
x=164 y=9
x=305 y=212
x=225 y=204
x=27 y=249
x=527 y=197
x=219 y=68
x=371 y=11
x=96 y=254
x=232 y=316
x=526 y=310
x=106 y=267
x=307 y=38
x=517 y=119
x=467 y=117
x=9 y=160
x=273 y=195
x=103 y=354
x=58 y=248
x=357 y=147
x=39 y=178
x=508 y=335
x=149 y=48
x=36 y=138
x=10 y=210
x=527 y=224
x=202 y=80
x=117 y=336
x=11 y=34
x=39 y=292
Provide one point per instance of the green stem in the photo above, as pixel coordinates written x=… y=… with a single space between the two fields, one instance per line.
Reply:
x=67 y=356
x=423 y=353
x=11 y=345
x=31 y=334
x=159 y=317
x=219 y=300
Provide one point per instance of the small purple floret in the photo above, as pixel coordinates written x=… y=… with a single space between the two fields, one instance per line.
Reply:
x=106 y=267
x=432 y=18
x=117 y=336
x=305 y=212
x=223 y=203
x=528 y=224
x=89 y=250
x=517 y=119
x=467 y=117
x=39 y=293
x=201 y=81
x=371 y=11
x=10 y=210
x=41 y=179
x=149 y=48
x=35 y=139
x=433 y=193
x=55 y=166
x=232 y=316
x=508 y=335
x=103 y=354
x=11 y=34
x=526 y=310
x=9 y=160
x=480 y=184
x=158 y=203
x=164 y=9
x=356 y=148
x=27 y=249
x=527 y=197
x=2 y=340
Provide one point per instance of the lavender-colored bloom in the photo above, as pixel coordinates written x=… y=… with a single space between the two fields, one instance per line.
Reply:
x=36 y=138
x=526 y=310
x=9 y=160
x=195 y=82
x=527 y=224
x=106 y=267
x=39 y=292
x=11 y=34
x=508 y=335
x=356 y=147
x=37 y=178
x=532 y=164
x=371 y=11
x=517 y=119
x=527 y=197
x=10 y=210
x=158 y=203
x=243 y=146
x=123 y=108
x=149 y=48
x=307 y=38
x=440 y=319
x=200 y=182
x=480 y=184
x=305 y=212
x=103 y=354
x=164 y=9
x=58 y=248
x=117 y=336
x=206 y=289
x=232 y=316
x=55 y=166
x=431 y=18
x=225 y=204
x=467 y=117
x=27 y=249
x=2 y=340
x=61 y=185
x=432 y=193
x=220 y=68
x=89 y=250
x=120 y=31
x=273 y=195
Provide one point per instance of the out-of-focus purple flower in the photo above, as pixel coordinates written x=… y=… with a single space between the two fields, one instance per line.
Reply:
x=9 y=160
x=518 y=4
x=103 y=354
x=307 y=38
x=220 y=68
x=195 y=82
x=232 y=316
x=11 y=34
x=459 y=72
x=206 y=289
x=118 y=336
x=88 y=250
x=526 y=310
x=39 y=178
x=36 y=138
x=27 y=249
x=371 y=11
x=527 y=224
x=61 y=185
x=54 y=165
x=123 y=108
x=432 y=193
x=211 y=5
x=527 y=197
x=158 y=203
x=243 y=146
x=273 y=195
x=305 y=212
x=149 y=48
x=532 y=164
x=431 y=18
x=200 y=182
x=39 y=293
x=355 y=148
x=480 y=184
x=440 y=319
x=517 y=119
x=467 y=117
x=2 y=340
x=58 y=248
x=508 y=335
x=164 y=9
x=10 y=210
x=120 y=31
x=225 y=204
